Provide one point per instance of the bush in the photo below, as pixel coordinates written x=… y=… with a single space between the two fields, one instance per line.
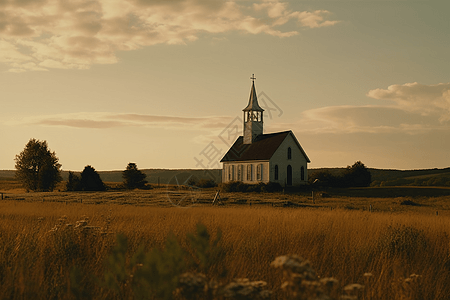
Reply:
x=271 y=187
x=239 y=186
x=206 y=183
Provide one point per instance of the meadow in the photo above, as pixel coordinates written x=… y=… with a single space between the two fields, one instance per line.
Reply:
x=64 y=245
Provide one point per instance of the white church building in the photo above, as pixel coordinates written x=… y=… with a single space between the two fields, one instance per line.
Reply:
x=257 y=157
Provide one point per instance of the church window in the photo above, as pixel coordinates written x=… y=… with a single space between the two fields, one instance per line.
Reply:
x=259 y=172
x=276 y=172
x=229 y=173
x=249 y=173
x=239 y=172
x=289 y=153
x=302 y=174
x=232 y=172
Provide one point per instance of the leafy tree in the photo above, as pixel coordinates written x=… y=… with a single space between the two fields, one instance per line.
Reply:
x=37 y=167
x=90 y=180
x=133 y=178
x=357 y=175
x=73 y=183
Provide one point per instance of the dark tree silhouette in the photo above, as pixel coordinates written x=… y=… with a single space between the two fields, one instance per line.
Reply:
x=73 y=183
x=357 y=175
x=133 y=178
x=37 y=168
x=90 y=180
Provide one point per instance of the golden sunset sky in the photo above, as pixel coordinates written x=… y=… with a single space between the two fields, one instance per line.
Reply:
x=163 y=83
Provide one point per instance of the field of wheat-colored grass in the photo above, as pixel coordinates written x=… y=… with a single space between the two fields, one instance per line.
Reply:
x=39 y=252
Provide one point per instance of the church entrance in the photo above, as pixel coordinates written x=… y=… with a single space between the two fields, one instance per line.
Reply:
x=289 y=175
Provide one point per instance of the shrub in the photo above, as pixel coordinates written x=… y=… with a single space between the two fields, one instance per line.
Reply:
x=238 y=186
x=271 y=187
x=206 y=183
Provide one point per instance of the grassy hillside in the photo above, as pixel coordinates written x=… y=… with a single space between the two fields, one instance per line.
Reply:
x=387 y=177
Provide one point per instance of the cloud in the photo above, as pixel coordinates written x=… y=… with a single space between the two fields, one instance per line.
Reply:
x=111 y=120
x=413 y=108
x=419 y=98
x=76 y=34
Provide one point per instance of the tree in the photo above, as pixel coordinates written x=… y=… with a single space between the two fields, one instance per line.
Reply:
x=133 y=178
x=37 y=168
x=357 y=175
x=73 y=183
x=90 y=180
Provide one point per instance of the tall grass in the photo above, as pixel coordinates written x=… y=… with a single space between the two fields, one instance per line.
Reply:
x=42 y=257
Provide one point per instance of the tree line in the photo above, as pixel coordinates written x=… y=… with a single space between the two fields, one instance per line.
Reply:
x=38 y=169
x=356 y=175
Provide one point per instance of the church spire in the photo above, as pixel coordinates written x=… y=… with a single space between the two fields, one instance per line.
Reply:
x=253 y=100
x=253 y=116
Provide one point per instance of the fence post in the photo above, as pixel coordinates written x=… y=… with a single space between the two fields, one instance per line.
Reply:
x=2 y=195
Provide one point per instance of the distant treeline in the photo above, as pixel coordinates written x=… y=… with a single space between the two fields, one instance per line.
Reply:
x=380 y=177
x=388 y=177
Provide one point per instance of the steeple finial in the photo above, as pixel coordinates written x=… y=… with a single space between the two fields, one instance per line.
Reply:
x=253 y=78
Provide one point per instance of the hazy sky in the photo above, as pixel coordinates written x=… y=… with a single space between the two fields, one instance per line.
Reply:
x=163 y=83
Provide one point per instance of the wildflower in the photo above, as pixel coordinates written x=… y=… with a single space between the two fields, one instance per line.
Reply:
x=368 y=275
x=329 y=282
x=191 y=284
x=353 y=287
x=244 y=288
x=81 y=223
x=295 y=264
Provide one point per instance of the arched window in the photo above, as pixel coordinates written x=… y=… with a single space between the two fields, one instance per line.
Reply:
x=302 y=173
x=289 y=153
x=249 y=173
x=276 y=172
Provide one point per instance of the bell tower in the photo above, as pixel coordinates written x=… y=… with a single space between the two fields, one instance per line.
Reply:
x=253 y=116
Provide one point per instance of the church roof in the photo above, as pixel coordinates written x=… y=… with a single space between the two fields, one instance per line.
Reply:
x=253 y=100
x=262 y=148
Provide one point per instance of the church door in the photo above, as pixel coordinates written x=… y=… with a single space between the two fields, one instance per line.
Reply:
x=289 y=175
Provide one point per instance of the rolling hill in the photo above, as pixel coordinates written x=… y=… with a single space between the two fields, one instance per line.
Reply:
x=380 y=177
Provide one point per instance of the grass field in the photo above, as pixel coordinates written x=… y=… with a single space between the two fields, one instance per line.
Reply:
x=43 y=258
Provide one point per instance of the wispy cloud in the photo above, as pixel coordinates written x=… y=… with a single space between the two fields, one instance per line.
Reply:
x=411 y=108
x=112 y=120
x=46 y=34
x=424 y=99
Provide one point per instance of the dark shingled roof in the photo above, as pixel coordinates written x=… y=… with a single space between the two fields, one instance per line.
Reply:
x=262 y=148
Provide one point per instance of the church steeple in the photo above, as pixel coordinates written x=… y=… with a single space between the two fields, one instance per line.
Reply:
x=253 y=116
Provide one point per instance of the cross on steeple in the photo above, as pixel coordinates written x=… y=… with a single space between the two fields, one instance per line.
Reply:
x=253 y=77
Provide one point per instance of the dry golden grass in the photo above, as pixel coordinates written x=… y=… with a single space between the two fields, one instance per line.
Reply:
x=343 y=243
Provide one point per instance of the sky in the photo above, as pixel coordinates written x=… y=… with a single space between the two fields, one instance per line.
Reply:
x=163 y=83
